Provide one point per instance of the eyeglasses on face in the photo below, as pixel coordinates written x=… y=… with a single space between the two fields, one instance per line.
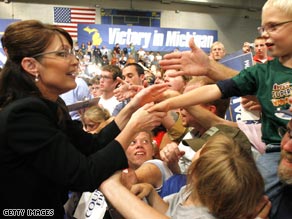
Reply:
x=65 y=53
x=272 y=27
x=283 y=130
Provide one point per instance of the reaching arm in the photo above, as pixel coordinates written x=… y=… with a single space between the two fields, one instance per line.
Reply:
x=173 y=123
x=125 y=90
x=129 y=205
x=204 y=94
x=146 y=190
x=217 y=71
x=196 y=62
x=146 y=95
x=207 y=118
x=140 y=120
x=131 y=121
x=149 y=173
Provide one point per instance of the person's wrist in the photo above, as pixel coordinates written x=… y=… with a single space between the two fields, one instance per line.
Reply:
x=210 y=67
x=132 y=106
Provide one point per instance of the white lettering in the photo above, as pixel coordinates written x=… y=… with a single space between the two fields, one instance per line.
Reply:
x=39 y=212
x=176 y=39
x=13 y=212
x=97 y=200
x=158 y=38
x=246 y=64
x=126 y=37
x=204 y=41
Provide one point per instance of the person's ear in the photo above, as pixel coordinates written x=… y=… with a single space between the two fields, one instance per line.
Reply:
x=30 y=65
x=212 y=108
x=142 y=76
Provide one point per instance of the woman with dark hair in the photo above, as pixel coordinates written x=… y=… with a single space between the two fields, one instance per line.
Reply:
x=43 y=153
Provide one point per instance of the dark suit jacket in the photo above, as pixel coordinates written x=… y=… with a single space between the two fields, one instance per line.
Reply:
x=41 y=160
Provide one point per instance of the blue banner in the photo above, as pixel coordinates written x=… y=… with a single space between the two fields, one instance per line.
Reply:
x=238 y=60
x=3 y=24
x=149 y=38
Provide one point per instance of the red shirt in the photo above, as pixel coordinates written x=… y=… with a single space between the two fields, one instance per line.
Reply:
x=257 y=60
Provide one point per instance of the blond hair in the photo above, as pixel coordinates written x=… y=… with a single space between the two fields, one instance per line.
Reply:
x=97 y=114
x=284 y=5
x=225 y=179
x=217 y=43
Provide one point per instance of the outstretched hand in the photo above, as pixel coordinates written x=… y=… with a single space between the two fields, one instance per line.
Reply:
x=162 y=106
x=126 y=90
x=152 y=93
x=193 y=62
x=144 y=120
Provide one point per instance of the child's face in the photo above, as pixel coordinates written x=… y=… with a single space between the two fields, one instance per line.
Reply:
x=278 y=36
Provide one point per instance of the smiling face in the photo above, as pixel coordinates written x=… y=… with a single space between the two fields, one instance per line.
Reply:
x=56 y=73
x=278 y=38
x=140 y=150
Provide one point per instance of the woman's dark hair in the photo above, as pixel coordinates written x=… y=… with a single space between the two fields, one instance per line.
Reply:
x=24 y=39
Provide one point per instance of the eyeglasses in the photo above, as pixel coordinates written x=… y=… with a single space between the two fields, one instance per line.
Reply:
x=105 y=77
x=271 y=27
x=65 y=53
x=283 y=130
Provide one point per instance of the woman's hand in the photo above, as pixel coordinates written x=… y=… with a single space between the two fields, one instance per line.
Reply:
x=144 y=120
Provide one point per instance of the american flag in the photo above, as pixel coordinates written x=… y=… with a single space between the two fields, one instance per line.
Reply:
x=68 y=18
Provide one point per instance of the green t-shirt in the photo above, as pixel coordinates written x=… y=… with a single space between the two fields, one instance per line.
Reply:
x=271 y=84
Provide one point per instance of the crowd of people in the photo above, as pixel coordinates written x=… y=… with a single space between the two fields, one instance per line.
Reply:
x=153 y=140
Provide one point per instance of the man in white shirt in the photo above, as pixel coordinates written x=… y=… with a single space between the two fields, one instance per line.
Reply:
x=108 y=82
